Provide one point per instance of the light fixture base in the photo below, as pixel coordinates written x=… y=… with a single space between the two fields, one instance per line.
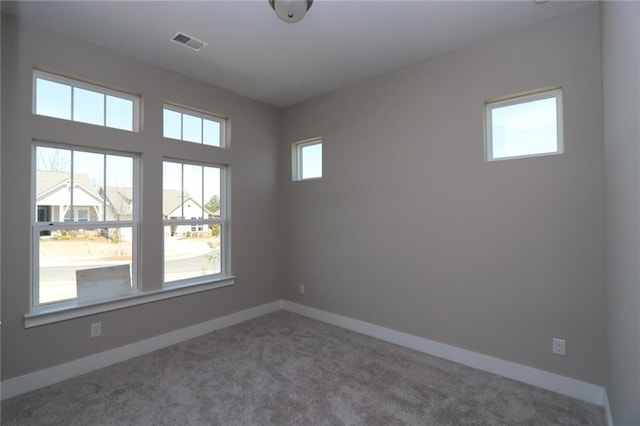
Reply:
x=291 y=10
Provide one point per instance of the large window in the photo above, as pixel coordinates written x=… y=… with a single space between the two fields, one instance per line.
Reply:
x=524 y=125
x=193 y=203
x=307 y=159
x=191 y=126
x=87 y=232
x=84 y=225
x=60 y=97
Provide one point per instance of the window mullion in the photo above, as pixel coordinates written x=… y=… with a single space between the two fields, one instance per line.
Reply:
x=72 y=182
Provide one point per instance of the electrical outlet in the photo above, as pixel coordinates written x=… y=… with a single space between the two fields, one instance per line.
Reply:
x=96 y=329
x=559 y=346
x=301 y=288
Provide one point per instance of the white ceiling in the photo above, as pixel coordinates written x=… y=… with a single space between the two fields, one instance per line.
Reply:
x=252 y=53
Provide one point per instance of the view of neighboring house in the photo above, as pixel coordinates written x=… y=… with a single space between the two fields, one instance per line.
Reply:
x=178 y=205
x=56 y=203
x=54 y=198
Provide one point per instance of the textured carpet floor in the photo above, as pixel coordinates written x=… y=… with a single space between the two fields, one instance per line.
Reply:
x=285 y=369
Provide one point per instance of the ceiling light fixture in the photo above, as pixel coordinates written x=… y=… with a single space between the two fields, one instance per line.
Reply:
x=291 y=10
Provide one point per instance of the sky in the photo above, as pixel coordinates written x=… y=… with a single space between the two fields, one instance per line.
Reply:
x=59 y=100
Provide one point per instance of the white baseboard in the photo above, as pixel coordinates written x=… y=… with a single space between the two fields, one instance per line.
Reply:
x=68 y=370
x=607 y=409
x=588 y=392
x=563 y=385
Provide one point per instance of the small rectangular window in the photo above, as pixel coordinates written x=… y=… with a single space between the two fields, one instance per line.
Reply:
x=194 y=216
x=84 y=219
x=524 y=126
x=192 y=126
x=307 y=159
x=61 y=97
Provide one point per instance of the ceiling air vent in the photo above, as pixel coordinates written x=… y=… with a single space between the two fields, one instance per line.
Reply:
x=191 y=42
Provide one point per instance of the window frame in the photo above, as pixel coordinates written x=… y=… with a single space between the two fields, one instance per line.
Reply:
x=223 y=221
x=37 y=227
x=297 y=159
x=222 y=121
x=73 y=83
x=522 y=98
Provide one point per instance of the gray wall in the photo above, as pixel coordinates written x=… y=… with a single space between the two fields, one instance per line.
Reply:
x=621 y=83
x=255 y=194
x=411 y=229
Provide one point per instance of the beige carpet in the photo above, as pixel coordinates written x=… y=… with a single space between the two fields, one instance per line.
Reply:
x=285 y=369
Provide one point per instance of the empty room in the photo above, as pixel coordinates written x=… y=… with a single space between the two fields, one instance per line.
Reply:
x=269 y=212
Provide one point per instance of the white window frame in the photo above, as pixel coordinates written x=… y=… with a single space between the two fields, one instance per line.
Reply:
x=297 y=159
x=37 y=74
x=37 y=227
x=535 y=95
x=223 y=221
x=198 y=114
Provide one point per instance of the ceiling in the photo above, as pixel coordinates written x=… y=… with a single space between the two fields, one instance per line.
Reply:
x=252 y=53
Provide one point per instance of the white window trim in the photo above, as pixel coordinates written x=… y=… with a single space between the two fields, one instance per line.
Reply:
x=296 y=158
x=203 y=115
x=52 y=314
x=545 y=93
x=36 y=227
x=223 y=221
x=37 y=74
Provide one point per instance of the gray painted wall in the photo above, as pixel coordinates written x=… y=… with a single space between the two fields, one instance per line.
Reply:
x=411 y=229
x=621 y=83
x=254 y=184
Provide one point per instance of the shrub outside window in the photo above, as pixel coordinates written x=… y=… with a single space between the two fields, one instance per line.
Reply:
x=524 y=125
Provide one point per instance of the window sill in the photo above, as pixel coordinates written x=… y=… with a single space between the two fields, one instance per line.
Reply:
x=49 y=315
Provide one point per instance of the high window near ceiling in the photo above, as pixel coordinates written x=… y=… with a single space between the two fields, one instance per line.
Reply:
x=192 y=126
x=306 y=159
x=67 y=99
x=526 y=125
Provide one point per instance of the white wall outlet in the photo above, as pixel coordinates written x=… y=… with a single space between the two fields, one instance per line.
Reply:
x=559 y=346
x=96 y=329
x=301 y=288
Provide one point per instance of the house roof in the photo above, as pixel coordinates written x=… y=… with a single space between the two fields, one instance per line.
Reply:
x=119 y=198
x=172 y=199
x=48 y=181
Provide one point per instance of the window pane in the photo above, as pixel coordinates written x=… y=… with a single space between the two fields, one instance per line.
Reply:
x=88 y=106
x=192 y=191
x=212 y=192
x=524 y=129
x=53 y=183
x=172 y=124
x=119 y=113
x=88 y=186
x=191 y=128
x=53 y=99
x=119 y=192
x=65 y=252
x=311 y=161
x=189 y=253
x=172 y=190
x=211 y=132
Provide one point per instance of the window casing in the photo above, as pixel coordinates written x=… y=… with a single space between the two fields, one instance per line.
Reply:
x=524 y=125
x=306 y=159
x=195 y=222
x=84 y=225
x=192 y=126
x=68 y=99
